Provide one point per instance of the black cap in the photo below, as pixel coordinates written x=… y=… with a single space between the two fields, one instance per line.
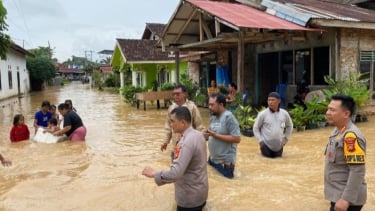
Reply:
x=274 y=94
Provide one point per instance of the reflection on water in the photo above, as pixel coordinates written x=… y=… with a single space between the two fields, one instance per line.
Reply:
x=105 y=172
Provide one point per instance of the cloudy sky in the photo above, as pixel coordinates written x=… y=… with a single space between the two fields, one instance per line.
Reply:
x=78 y=27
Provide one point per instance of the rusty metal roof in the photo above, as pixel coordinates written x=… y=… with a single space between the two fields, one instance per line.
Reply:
x=243 y=16
x=184 y=26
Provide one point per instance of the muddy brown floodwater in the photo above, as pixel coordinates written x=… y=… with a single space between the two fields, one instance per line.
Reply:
x=104 y=173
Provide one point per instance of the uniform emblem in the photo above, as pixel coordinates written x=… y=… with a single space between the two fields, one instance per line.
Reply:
x=353 y=152
x=350 y=142
x=177 y=151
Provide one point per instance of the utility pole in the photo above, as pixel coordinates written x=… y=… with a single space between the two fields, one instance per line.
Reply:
x=88 y=53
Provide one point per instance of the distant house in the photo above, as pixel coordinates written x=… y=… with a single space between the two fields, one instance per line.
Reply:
x=146 y=64
x=106 y=71
x=14 y=77
x=70 y=72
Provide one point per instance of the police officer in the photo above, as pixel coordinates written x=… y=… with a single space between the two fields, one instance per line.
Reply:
x=344 y=173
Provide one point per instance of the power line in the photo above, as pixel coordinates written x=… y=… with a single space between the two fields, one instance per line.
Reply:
x=20 y=12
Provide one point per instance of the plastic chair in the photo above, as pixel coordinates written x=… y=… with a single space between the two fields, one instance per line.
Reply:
x=281 y=89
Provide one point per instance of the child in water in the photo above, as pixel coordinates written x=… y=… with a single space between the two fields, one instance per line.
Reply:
x=52 y=126
x=19 y=131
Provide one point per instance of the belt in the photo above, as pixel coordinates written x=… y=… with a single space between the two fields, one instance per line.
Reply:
x=229 y=166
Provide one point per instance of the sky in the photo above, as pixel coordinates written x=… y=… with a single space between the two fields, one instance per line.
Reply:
x=82 y=27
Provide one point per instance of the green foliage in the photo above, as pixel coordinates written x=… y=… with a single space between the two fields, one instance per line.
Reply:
x=190 y=85
x=129 y=93
x=97 y=79
x=41 y=68
x=245 y=116
x=224 y=90
x=316 y=110
x=42 y=52
x=166 y=86
x=299 y=116
x=155 y=85
x=5 y=41
x=354 y=86
x=200 y=98
x=113 y=80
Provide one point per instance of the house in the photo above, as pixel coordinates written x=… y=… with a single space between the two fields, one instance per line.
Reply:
x=14 y=76
x=140 y=60
x=70 y=71
x=265 y=43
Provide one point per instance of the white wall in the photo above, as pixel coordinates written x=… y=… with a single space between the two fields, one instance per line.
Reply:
x=16 y=62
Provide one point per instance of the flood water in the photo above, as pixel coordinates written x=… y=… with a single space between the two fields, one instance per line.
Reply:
x=104 y=173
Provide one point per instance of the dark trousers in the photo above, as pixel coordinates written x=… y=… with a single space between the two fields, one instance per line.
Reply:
x=267 y=152
x=351 y=208
x=199 y=208
x=226 y=170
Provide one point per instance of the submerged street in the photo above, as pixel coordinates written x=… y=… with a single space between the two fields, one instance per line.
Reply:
x=104 y=173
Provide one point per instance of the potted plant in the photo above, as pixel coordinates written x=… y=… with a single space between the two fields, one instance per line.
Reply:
x=299 y=117
x=315 y=111
x=200 y=99
x=354 y=86
x=246 y=119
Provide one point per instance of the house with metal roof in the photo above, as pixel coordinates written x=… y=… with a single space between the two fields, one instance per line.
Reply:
x=275 y=42
x=141 y=63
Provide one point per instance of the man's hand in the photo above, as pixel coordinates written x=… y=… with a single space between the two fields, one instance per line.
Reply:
x=341 y=205
x=285 y=140
x=163 y=147
x=206 y=134
x=210 y=133
x=148 y=172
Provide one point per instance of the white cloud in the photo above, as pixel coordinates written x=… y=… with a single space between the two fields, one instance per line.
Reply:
x=73 y=27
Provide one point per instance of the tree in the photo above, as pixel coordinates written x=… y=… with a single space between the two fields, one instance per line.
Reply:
x=5 y=40
x=107 y=60
x=41 y=69
x=42 y=52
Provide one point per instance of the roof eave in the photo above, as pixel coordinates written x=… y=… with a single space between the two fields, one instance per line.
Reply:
x=341 y=24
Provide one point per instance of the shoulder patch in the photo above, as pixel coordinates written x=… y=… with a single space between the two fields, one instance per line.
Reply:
x=177 y=151
x=353 y=153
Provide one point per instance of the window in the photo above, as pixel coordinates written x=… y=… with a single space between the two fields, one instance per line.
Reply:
x=293 y=67
x=367 y=68
x=163 y=76
x=140 y=79
x=10 y=79
x=302 y=66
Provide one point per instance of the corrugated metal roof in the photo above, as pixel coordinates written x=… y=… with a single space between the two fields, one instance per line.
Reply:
x=330 y=10
x=244 y=16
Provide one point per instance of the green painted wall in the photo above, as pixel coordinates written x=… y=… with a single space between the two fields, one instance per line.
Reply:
x=150 y=69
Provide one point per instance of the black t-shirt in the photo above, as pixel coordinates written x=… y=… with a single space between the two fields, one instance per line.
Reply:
x=71 y=118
